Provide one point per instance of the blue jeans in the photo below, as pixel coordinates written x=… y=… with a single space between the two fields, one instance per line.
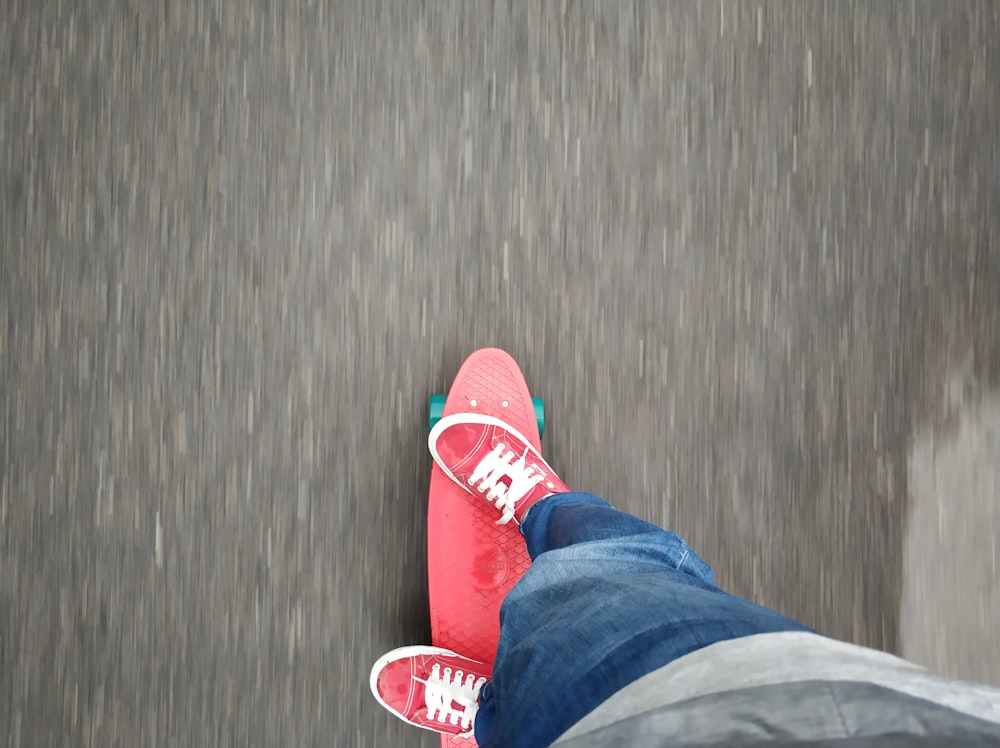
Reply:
x=607 y=599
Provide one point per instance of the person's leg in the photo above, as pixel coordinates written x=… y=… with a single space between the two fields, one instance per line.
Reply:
x=607 y=599
x=574 y=518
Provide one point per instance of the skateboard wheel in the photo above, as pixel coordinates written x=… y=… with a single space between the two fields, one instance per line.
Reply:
x=436 y=410
x=539 y=406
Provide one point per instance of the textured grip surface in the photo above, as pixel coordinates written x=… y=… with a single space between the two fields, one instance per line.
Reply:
x=472 y=562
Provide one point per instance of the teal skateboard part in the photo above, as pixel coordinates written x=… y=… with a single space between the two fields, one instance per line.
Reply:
x=436 y=410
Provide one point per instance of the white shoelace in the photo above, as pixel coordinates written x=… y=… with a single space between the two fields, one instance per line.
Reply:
x=443 y=691
x=500 y=463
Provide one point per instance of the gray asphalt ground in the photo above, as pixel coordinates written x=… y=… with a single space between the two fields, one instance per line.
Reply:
x=740 y=249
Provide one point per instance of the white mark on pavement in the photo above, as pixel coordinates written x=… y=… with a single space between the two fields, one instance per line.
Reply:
x=951 y=589
x=158 y=542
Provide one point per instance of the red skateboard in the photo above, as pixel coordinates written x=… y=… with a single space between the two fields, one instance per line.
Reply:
x=472 y=562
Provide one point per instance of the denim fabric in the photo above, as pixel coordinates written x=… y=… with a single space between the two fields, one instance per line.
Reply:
x=607 y=599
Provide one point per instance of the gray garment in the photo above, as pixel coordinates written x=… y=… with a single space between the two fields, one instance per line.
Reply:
x=790 y=689
x=834 y=713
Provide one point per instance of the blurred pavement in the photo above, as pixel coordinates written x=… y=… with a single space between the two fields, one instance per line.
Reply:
x=740 y=249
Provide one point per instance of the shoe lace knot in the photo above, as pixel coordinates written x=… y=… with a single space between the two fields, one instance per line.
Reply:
x=452 y=696
x=505 y=479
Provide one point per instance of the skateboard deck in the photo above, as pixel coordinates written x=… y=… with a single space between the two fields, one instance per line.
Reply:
x=472 y=562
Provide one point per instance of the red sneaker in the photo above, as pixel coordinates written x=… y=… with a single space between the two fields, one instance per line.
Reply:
x=484 y=455
x=430 y=687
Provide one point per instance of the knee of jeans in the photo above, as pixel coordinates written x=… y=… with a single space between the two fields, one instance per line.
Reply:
x=548 y=571
x=587 y=560
x=692 y=565
x=542 y=573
